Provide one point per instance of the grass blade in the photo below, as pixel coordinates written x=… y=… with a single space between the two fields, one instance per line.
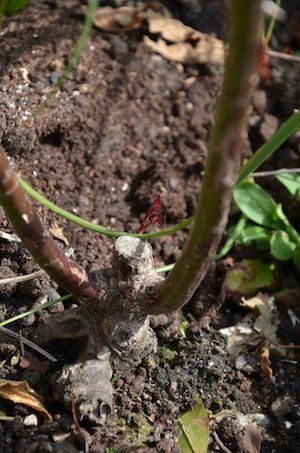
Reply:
x=265 y=151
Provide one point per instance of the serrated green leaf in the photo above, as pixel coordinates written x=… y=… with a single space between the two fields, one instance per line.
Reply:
x=256 y=204
x=248 y=276
x=291 y=182
x=282 y=248
x=194 y=430
x=253 y=234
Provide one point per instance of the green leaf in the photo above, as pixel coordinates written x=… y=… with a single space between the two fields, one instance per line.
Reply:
x=233 y=234
x=256 y=204
x=248 y=276
x=255 y=234
x=282 y=248
x=11 y=7
x=264 y=152
x=296 y=258
x=286 y=226
x=194 y=430
x=291 y=182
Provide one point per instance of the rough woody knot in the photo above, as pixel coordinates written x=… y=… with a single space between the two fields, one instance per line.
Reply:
x=154 y=215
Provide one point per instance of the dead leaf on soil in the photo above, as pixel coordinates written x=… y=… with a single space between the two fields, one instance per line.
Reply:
x=267 y=320
x=114 y=20
x=58 y=233
x=252 y=438
x=21 y=393
x=170 y=29
x=255 y=330
x=266 y=370
x=187 y=44
x=126 y=18
x=191 y=45
x=204 y=53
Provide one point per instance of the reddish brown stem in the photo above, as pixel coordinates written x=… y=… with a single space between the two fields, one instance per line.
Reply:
x=36 y=238
x=222 y=164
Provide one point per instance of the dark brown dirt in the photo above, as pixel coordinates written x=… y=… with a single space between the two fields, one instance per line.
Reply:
x=126 y=125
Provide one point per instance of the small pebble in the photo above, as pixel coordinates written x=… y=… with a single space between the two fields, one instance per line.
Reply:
x=173 y=183
x=39 y=85
x=283 y=406
x=53 y=77
x=31 y=420
x=61 y=437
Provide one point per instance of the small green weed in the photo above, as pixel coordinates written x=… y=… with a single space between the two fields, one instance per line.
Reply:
x=263 y=222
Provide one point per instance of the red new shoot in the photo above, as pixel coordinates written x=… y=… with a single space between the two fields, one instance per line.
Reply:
x=154 y=215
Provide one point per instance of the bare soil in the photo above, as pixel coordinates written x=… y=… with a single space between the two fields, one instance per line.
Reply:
x=127 y=125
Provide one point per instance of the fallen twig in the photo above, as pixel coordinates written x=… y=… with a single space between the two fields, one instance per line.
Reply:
x=29 y=343
x=21 y=341
x=281 y=171
x=283 y=56
x=22 y=278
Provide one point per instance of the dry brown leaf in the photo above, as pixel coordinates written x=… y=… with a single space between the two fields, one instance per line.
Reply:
x=240 y=336
x=255 y=330
x=266 y=370
x=267 y=321
x=170 y=29
x=252 y=438
x=205 y=52
x=58 y=233
x=191 y=45
x=21 y=393
x=210 y=50
x=124 y=18
x=180 y=52
x=255 y=302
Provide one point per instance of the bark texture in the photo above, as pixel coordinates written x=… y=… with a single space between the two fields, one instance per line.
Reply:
x=114 y=324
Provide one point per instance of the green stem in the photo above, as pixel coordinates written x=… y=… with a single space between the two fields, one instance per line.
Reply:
x=222 y=163
x=35 y=309
x=98 y=228
x=271 y=26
